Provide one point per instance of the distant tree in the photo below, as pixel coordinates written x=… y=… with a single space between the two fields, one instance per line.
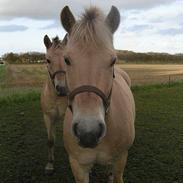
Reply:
x=124 y=56
x=24 y=58
x=151 y=57
x=11 y=58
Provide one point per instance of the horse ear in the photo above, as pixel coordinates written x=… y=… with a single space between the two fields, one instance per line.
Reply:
x=113 y=19
x=47 y=42
x=67 y=19
x=65 y=39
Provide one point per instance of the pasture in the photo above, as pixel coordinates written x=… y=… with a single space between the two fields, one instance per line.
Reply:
x=156 y=157
x=34 y=75
x=144 y=74
x=157 y=154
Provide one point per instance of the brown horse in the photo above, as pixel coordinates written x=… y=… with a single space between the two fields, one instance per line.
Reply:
x=99 y=126
x=53 y=97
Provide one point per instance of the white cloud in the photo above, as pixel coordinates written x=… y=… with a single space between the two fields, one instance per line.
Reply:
x=12 y=28
x=48 y=9
x=158 y=29
x=149 y=43
x=30 y=40
x=143 y=29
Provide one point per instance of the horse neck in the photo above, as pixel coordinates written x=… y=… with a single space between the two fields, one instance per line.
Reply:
x=50 y=86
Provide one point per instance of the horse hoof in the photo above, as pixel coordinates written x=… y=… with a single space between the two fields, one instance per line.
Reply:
x=49 y=169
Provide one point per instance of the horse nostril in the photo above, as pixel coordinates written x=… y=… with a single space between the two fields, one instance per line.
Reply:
x=61 y=90
x=75 y=129
x=88 y=140
x=101 y=130
x=57 y=87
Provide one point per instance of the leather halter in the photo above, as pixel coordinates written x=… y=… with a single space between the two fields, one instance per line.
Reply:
x=91 y=89
x=52 y=76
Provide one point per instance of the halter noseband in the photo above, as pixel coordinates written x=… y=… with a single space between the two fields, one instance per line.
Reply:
x=52 y=76
x=91 y=89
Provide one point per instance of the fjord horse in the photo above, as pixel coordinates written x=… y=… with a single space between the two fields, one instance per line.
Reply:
x=99 y=123
x=54 y=93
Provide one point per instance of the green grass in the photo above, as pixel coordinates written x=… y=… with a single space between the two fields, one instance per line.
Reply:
x=17 y=95
x=2 y=73
x=156 y=157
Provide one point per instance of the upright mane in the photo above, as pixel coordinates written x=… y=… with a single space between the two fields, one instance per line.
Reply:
x=56 y=42
x=92 y=29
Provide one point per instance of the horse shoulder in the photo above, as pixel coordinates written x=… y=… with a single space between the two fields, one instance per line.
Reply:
x=48 y=101
x=121 y=114
x=123 y=74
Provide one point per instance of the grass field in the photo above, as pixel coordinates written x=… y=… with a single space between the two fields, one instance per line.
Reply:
x=2 y=73
x=34 y=75
x=141 y=74
x=25 y=75
x=156 y=157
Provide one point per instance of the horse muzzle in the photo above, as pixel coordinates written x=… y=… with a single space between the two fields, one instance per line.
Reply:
x=61 y=91
x=89 y=136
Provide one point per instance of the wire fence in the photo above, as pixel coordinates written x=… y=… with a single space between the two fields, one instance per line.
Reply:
x=157 y=79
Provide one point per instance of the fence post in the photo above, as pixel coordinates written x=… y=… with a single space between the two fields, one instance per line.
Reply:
x=169 y=80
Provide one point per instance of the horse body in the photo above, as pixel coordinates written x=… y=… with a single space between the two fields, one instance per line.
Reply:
x=124 y=75
x=99 y=123
x=51 y=103
x=120 y=124
x=53 y=96
x=53 y=108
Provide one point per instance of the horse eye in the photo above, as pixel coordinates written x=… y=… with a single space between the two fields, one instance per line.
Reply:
x=113 y=61
x=48 y=61
x=67 y=61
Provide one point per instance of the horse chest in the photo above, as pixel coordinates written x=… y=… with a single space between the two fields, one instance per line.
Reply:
x=61 y=106
x=92 y=156
x=61 y=110
x=103 y=158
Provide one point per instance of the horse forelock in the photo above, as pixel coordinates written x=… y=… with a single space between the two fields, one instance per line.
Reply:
x=92 y=30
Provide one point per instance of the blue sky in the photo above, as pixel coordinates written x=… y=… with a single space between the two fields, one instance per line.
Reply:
x=146 y=25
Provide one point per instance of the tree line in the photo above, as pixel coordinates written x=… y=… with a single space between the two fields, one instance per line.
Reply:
x=24 y=58
x=151 y=57
x=124 y=56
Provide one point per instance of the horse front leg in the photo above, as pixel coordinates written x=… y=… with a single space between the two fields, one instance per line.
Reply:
x=118 y=168
x=80 y=172
x=50 y=126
